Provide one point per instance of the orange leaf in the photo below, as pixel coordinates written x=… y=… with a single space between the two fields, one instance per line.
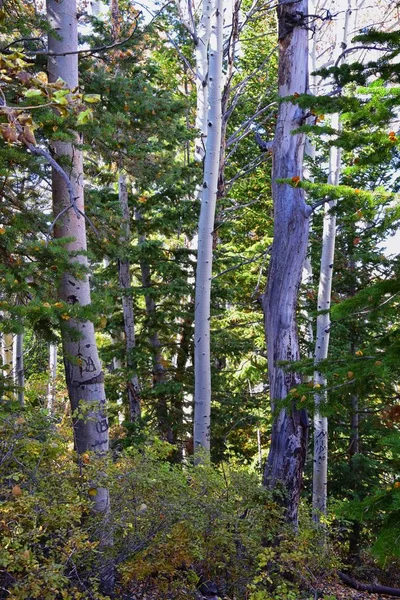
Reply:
x=16 y=491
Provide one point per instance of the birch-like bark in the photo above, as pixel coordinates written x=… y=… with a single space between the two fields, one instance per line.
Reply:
x=18 y=367
x=291 y=216
x=125 y=283
x=51 y=385
x=320 y=457
x=83 y=370
x=202 y=362
x=202 y=40
x=7 y=355
x=320 y=461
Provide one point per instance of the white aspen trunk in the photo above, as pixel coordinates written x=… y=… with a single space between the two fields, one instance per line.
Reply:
x=7 y=354
x=320 y=456
x=83 y=370
x=51 y=386
x=202 y=363
x=202 y=40
x=125 y=283
x=291 y=215
x=18 y=366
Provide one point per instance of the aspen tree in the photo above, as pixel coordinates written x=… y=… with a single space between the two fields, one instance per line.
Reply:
x=84 y=375
x=83 y=370
x=202 y=400
x=291 y=222
x=18 y=366
x=320 y=459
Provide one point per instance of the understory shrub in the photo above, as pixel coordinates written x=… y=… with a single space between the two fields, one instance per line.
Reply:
x=171 y=526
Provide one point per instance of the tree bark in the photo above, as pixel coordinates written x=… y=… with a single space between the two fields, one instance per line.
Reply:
x=51 y=391
x=291 y=222
x=83 y=370
x=202 y=362
x=125 y=283
x=320 y=459
x=18 y=367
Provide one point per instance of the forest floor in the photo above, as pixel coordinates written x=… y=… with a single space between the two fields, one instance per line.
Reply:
x=343 y=592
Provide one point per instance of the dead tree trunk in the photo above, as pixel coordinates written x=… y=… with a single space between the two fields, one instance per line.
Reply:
x=291 y=222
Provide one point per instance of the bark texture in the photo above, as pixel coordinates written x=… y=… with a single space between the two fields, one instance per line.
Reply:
x=51 y=386
x=202 y=396
x=320 y=459
x=18 y=367
x=291 y=222
x=83 y=370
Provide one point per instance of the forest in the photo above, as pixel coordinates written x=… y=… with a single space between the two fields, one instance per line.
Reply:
x=199 y=292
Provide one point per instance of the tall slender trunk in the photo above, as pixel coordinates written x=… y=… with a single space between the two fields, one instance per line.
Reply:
x=202 y=361
x=83 y=370
x=7 y=355
x=202 y=39
x=125 y=283
x=320 y=461
x=51 y=386
x=18 y=367
x=320 y=457
x=291 y=215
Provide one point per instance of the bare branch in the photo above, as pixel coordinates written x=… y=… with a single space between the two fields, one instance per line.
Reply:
x=104 y=48
x=243 y=263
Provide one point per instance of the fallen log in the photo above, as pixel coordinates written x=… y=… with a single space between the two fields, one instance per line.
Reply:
x=368 y=587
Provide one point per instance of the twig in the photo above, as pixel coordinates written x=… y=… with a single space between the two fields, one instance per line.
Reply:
x=243 y=263
x=104 y=48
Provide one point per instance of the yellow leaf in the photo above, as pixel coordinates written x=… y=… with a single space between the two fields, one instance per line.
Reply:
x=92 y=492
x=359 y=353
x=317 y=386
x=65 y=317
x=303 y=398
x=2 y=230
x=378 y=363
x=59 y=305
x=350 y=374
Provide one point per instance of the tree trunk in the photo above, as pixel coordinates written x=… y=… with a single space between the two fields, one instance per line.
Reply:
x=320 y=459
x=18 y=367
x=202 y=39
x=125 y=283
x=202 y=363
x=83 y=370
x=320 y=462
x=291 y=221
x=51 y=386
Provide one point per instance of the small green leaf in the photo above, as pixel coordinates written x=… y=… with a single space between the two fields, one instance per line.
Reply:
x=92 y=98
x=33 y=93
x=85 y=116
